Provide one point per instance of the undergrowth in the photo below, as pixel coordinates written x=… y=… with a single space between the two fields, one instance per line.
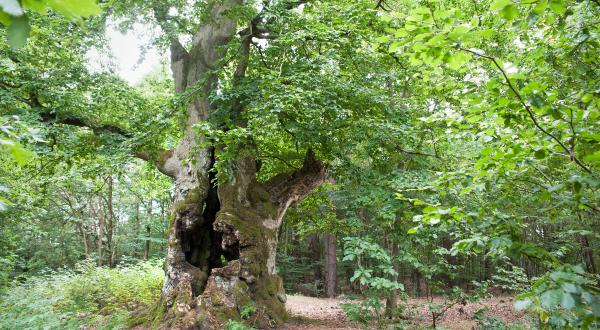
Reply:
x=85 y=296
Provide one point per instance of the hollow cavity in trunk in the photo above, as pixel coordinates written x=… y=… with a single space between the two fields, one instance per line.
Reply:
x=201 y=244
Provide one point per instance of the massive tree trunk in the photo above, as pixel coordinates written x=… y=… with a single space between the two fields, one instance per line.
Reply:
x=222 y=238
x=222 y=246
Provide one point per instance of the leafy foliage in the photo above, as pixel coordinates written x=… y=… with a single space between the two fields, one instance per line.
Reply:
x=564 y=298
x=13 y=15
x=461 y=140
x=374 y=279
x=83 y=296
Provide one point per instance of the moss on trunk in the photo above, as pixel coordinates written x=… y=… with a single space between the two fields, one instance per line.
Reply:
x=220 y=243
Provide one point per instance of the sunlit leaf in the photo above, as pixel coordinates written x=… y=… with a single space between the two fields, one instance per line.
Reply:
x=18 y=32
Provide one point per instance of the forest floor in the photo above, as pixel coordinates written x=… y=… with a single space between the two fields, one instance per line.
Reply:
x=323 y=313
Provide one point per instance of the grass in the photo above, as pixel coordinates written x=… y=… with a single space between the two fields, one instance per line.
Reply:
x=86 y=296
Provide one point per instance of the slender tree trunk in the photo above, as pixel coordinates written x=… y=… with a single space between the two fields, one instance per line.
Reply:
x=164 y=221
x=391 y=303
x=86 y=244
x=417 y=283
x=101 y=225
x=115 y=245
x=314 y=247
x=84 y=237
x=588 y=256
x=147 y=243
x=446 y=243
x=138 y=226
x=148 y=231
x=587 y=250
x=110 y=223
x=487 y=268
x=330 y=266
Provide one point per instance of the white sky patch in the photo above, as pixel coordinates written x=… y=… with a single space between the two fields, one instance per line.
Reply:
x=519 y=43
x=129 y=56
x=510 y=68
x=299 y=9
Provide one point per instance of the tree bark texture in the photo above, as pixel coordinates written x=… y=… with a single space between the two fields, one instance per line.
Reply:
x=330 y=266
x=222 y=238
x=222 y=247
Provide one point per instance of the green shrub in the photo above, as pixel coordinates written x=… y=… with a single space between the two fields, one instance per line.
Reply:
x=511 y=278
x=377 y=281
x=88 y=295
x=237 y=325
x=564 y=298
x=247 y=311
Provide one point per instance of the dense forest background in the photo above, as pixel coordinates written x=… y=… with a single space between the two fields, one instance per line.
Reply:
x=461 y=142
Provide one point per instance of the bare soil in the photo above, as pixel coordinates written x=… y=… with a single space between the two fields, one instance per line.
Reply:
x=323 y=313
x=316 y=313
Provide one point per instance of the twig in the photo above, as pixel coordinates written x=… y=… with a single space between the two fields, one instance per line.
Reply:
x=381 y=5
x=527 y=108
x=416 y=153
x=279 y=159
x=262 y=56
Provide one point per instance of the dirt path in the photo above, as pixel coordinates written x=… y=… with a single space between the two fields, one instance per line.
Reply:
x=322 y=313
x=316 y=313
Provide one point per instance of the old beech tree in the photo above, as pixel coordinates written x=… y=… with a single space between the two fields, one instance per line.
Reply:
x=223 y=237
x=293 y=79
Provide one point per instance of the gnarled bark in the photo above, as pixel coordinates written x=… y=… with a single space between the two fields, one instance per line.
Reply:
x=222 y=248
x=222 y=239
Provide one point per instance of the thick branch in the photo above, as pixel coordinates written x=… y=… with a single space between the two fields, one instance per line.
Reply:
x=179 y=55
x=51 y=116
x=244 y=54
x=289 y=188
x=159 y=161
x=32 y=101
x=209 y=38
x=240 y=71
